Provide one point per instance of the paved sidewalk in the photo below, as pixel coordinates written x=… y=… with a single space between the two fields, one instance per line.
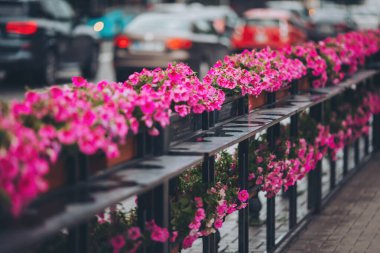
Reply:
x=350 y=223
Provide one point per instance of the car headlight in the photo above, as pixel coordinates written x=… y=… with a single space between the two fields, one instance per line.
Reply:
x=98 y=26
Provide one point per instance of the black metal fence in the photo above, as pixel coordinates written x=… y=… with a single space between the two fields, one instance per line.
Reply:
x=154 y=179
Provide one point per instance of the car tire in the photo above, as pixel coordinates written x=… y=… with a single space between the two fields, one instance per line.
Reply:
x=47 y=75
x=122 y=74
x=91 y=65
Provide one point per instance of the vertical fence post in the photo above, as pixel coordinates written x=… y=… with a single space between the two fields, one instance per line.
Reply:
x=293 y=189
x=357 y=142
x=143 y=215
x=317 y=113
x=310 y=187
x=357 y=152
x=346 y=153
x=78 y=239
x=161 y=212
x=294 y=87
x=207 y=120
x=208 y=177
x=154 y=205
x=272 y=134
x=243 y=182
x=376 y=118
x=333 y=104
x=173 y=189
x=367 y=86
x=366 y=144
x=376 y=132
x=332 y=174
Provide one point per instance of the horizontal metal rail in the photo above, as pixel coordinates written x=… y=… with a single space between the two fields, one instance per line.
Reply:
x=77 y=204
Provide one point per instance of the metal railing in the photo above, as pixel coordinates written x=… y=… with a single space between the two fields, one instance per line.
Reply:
x=154 y=179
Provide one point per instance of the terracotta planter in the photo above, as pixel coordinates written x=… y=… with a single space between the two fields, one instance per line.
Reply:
x=304 y=85
x=128 y=151
x=57 y=175
x=282 y=93
x=174 y=248
x=71 y=168
x=256 y=102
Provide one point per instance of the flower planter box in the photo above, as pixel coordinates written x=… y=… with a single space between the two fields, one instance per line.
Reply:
x=256 y=102
x=174 y=248
x=272 y=97
x=282 y=93
x=232 y=107
x=57 y=175
x=99 y=162
x=303 y=85
x=267 y=98
x=182 y=128
x=72 y=167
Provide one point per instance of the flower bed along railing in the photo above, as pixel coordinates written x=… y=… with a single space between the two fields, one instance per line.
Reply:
x=68 y=138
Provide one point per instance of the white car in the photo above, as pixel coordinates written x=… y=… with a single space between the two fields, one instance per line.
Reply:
x=365 y=17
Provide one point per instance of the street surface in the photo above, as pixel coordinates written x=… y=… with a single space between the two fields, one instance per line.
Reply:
x=11 y=90
x=350 y=222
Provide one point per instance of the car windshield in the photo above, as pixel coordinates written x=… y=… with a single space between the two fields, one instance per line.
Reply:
x=12 y=9
x=364 y=12
x=295 y=7
x=329 y=15
x=158 y=23
x=263 y=22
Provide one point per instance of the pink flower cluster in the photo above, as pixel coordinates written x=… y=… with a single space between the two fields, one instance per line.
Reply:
x=157 y=234
x=273 y=172
x=93 y=117
x=23 y=164
x=180 y=87
x=195 y=225
x=354 y=125
x=133 y=239
x=373 y=103
x=292 y=160
x=204 y=223
x=98 y=117
x=316 y=66
x=253 y=72
x=347 y=52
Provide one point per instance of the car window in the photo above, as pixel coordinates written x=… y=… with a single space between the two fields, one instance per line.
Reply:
x=296 y=23
x=65 y=11
x=329 y=15
x=20 y=9
x=158 y=23
x=12 y=9
x=203 y=27
x=58 y=9
x=50 y=8
x=267 y=22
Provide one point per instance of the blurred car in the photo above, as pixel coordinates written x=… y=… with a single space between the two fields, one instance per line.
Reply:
x=331 y=21
x=38 y=37
x=112 y=22
x=154 y=39
x=224 y=19
x=172 y=7
x=267 y=27
x=365 y=17
x=297 y=8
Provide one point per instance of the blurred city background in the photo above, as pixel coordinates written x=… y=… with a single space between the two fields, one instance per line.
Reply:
x=45 y=42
